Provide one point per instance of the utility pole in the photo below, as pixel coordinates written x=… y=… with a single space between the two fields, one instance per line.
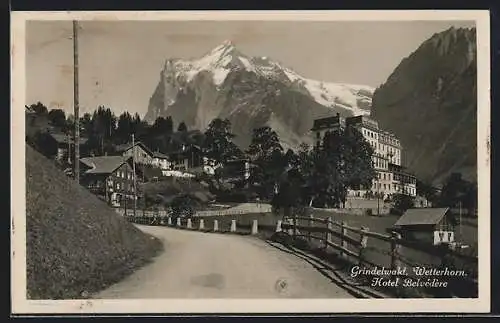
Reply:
x=378 y=195
x=133 y=169
x=76 y=102
x=460 y=220
x=69 y=147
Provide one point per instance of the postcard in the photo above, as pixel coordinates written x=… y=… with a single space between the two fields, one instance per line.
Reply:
x=250 y=162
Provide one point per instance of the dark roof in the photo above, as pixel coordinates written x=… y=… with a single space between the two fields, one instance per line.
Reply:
x=103 y=164
x=159 y=155
x=63 y=138
x=421 y=216
x=127 y=146
x=327 y=122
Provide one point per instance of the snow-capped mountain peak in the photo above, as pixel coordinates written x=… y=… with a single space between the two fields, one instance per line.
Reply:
x=251 y=91
x=223 y=59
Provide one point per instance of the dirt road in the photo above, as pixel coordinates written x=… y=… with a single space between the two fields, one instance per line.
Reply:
x=208 y=265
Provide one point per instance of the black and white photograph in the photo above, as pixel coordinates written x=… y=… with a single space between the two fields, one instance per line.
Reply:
x=250 y=162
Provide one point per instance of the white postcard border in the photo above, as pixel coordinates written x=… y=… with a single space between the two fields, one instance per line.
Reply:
x=20 y=305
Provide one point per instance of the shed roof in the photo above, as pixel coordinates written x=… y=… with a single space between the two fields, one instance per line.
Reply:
x=103 y=164
x=421 y=216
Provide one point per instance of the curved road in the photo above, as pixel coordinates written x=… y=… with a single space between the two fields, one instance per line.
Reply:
x=209 y=265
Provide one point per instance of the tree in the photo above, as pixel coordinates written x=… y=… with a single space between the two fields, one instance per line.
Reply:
x=343 y=161
x=39 y=108
x=139 y=127
x=264 y=142
x=86 y=124
x=458 y=192
x=292 y=159
x=358 y=163
x=403 y=202
x=266 y=153
x=426 y=190
x=453 y=188
x=104 y=126
x=218 y=141
x=182 y=127
x=57 y=118
x=124 y=128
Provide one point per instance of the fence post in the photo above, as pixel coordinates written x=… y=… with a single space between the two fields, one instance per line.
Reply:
x=178 y=221
x=343 y=241
x=395 y=246
x=216 y=225
x=169 y=221
x=290 y=229
x=202 y=224
x=328 y=235
x=278 y=226
x=233 y=225
x=255 y=227
x=189 y=223
x=363 y=242
x=311 y=224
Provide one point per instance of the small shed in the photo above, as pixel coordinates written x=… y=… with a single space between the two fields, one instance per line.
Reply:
x=434 y=225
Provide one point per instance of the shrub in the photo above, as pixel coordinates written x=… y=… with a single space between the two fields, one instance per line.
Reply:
x=402 y=203
x=183 y=206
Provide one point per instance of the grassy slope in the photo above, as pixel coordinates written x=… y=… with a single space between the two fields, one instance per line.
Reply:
x=76 y=244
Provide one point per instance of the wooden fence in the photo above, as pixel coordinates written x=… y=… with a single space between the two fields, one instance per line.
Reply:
x=155 y=213
x=368 y=249
x=356 y=246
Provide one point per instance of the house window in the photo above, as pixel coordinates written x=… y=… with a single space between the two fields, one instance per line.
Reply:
x=117 y=186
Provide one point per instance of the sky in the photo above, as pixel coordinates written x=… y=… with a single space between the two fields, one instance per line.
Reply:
x=120 y=61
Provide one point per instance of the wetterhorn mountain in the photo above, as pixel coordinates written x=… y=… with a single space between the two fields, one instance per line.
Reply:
x=430 y=102
x=251 y=92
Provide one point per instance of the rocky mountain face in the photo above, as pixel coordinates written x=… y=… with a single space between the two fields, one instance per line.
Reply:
x=430 y=103
x=251 y=92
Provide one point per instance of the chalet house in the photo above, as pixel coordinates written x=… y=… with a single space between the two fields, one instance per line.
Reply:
x=161 y=161
x=187 y=157
x=429 y=225
x=110 y=177
x=143 y=154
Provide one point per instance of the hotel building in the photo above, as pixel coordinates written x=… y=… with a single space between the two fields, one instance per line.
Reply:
x=387 y=158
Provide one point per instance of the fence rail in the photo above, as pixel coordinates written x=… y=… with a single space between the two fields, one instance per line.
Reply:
x=154 y=213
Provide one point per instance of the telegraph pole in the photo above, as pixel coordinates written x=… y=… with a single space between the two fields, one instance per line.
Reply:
x=133 y=169
x=76 y=102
